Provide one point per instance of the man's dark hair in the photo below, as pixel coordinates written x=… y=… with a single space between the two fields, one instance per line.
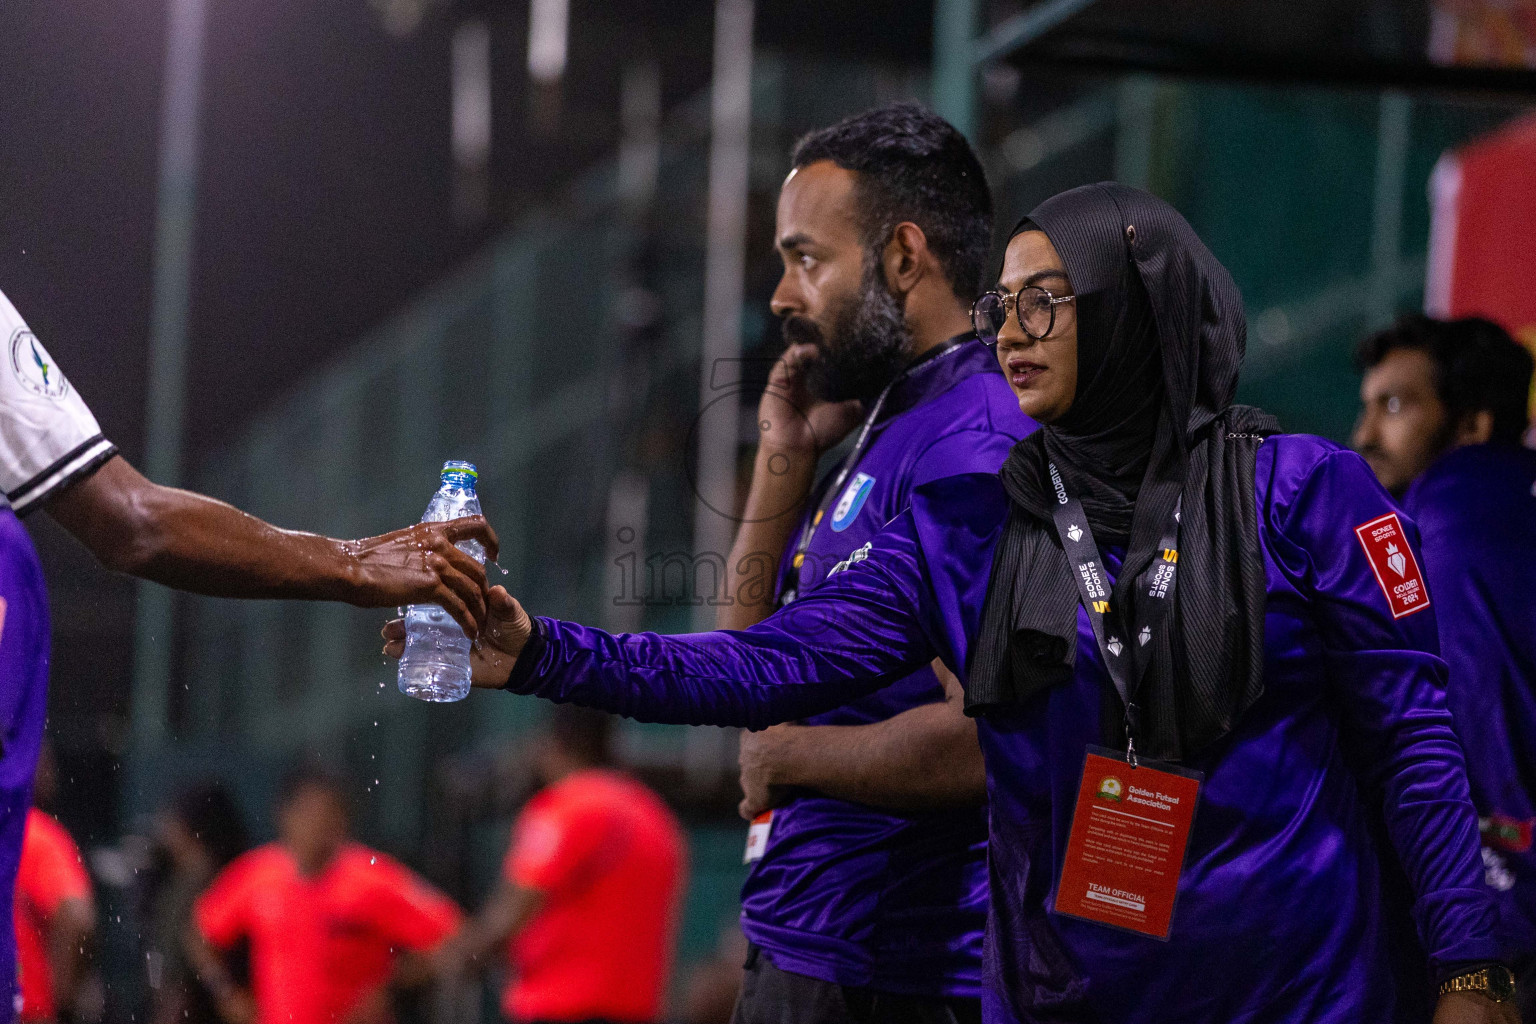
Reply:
x=313 y=773
x=1478 y=366
x=913 y=165
x=581 y=732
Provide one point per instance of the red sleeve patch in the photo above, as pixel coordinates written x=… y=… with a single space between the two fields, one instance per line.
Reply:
x=1394 y=565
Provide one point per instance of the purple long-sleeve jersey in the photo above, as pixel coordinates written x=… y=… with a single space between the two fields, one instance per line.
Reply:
x=846 y=892
x=23 y=710
x=1477 y=509
x=1279 y=918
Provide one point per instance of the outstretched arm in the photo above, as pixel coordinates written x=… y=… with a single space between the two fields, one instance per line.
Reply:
x=857 y=632
x=193 y=542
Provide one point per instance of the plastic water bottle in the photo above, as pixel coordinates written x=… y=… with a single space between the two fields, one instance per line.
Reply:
x=435 y=665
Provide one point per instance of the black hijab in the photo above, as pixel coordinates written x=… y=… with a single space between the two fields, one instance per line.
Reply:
x=1161 y=332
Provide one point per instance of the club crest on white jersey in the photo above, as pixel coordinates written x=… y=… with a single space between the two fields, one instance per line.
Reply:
x=35 y=368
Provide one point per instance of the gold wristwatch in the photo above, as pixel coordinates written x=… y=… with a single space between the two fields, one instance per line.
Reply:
x=1495 y=982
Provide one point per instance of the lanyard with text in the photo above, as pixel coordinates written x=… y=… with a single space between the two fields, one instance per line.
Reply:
x=1130 y=828
x=1125 y=662
x=853 y=456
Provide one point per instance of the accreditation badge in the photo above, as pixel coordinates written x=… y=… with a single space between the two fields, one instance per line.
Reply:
x=1129 y=833
x=757 y=837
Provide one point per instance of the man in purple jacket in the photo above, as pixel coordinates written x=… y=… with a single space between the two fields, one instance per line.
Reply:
x=1443 y=411
x=867 y=893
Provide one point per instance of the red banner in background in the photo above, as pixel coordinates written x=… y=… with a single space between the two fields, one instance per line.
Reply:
x=1482 y=240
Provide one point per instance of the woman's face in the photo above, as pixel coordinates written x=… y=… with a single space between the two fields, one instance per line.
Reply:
x=1042 y=373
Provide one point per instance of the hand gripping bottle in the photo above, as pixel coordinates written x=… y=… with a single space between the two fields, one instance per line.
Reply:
x=435 y=665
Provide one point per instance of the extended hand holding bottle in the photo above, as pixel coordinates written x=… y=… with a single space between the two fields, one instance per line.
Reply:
x=435 y=665
x=507 y=632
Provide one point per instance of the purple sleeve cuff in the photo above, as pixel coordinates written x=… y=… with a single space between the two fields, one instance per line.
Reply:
x=526 y=670
x=1460 y=924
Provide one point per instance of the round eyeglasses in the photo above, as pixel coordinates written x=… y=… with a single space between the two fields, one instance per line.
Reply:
x=1034 y=308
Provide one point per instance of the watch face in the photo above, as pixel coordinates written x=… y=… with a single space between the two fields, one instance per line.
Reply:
x=1501 y=984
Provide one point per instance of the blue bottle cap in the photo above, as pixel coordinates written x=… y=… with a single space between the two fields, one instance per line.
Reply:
x=460 y=474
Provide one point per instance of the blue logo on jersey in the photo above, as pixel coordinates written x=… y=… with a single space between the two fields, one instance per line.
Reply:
x=852 y=500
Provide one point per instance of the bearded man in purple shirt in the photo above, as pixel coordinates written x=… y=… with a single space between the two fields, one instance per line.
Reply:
x=867 y=893
x=1443 y=409
x=1239 y=624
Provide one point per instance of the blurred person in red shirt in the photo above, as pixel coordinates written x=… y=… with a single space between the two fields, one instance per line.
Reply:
x=55 y=909
x=196 y=836
x=333 y=926
x=590 y=890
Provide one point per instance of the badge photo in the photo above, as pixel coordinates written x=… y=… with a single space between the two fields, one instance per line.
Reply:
x=757 y=837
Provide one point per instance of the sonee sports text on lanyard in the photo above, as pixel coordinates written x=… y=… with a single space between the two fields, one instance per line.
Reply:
x=1132 y=819
x=1125 y=661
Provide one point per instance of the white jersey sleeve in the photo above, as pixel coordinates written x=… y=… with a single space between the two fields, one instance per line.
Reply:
x=48 y=437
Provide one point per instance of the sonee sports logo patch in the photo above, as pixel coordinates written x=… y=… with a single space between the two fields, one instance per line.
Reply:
x=1394 y=565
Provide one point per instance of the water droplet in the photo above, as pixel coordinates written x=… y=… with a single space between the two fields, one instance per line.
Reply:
x=373 y=860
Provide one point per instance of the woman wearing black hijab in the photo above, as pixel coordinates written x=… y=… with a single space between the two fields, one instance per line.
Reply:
x=1156 y=574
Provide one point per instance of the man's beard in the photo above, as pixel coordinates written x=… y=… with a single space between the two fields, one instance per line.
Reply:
x=867 y=345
